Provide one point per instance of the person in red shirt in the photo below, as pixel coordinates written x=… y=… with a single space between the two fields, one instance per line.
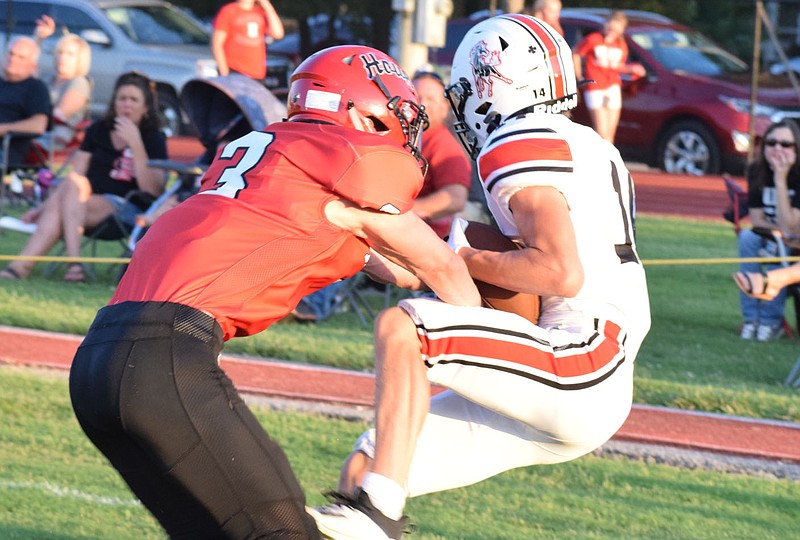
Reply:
x=280 y=213
x=238 y=41
x=605 y=55
x=447 y=183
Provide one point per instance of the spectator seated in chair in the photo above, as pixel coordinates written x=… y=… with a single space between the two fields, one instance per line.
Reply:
x=773 y=202
x=24 y=100
x=70 y=88
x=112 y=163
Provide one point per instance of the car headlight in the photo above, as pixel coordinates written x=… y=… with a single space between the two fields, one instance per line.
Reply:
x=741 y=141
x=743 y=106
x=206 y=68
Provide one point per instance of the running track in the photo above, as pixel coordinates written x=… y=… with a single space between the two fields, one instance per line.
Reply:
x=702 y=198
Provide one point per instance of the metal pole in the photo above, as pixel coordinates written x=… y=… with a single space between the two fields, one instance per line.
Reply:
x=751 y=125
x=9 y=21
x=773 y=36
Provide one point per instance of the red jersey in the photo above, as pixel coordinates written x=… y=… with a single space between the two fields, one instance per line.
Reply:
x=255 y=240
x=447 y=164
x=245 y=48
x=602 y=60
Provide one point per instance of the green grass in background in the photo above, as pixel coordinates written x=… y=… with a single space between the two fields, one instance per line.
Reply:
x=55 y=485
x=691 y=359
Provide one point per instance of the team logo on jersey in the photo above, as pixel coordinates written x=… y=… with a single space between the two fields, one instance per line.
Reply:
x=484 y=68
x=382 y=66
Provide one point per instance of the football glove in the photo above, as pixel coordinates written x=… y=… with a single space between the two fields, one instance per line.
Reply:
x=457 y=237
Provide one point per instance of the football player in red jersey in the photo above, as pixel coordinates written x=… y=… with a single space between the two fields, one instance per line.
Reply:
x=280 y=214
x=518 y=394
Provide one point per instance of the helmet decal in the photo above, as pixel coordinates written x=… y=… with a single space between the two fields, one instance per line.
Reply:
x=484 y=68
x=381 y=66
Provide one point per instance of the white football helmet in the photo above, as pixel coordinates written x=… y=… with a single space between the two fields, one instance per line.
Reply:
x=507 y=65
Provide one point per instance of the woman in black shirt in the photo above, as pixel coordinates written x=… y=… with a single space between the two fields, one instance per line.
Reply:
x=111 y=162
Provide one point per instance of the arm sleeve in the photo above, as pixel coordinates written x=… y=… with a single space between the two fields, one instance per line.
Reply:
x=38 y=100
x=584 y=47
x=88 y=143
x=155 y=144
x=385 y=180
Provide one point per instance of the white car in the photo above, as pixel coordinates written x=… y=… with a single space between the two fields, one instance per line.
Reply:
x=151 y=36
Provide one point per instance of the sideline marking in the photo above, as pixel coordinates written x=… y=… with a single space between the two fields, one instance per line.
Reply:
x=59 y=491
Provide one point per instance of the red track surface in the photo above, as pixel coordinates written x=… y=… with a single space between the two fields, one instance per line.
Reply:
x=767 y=440
x=656 y=193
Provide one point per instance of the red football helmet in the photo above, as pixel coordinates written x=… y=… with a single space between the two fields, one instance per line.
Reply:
x=359 y=87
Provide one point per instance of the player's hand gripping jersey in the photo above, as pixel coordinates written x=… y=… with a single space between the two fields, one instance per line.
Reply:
x=551 y=150
x=226 y=251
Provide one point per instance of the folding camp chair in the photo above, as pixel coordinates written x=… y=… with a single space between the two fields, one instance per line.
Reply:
x=793 y=379
x=42 y=167
x=19 y=174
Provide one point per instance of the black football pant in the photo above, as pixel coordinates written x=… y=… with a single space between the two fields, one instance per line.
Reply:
x=147 y=390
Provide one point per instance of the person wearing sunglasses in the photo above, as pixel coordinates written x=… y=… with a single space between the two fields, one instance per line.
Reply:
x=773 y=202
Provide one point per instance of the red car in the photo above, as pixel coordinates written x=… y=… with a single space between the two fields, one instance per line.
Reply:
x=690 y=114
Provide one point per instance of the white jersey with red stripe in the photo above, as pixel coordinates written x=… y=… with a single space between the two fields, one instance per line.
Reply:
x=521 y=394
x=551 y=150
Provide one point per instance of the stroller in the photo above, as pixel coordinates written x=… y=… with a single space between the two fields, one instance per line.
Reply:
x=221 y=109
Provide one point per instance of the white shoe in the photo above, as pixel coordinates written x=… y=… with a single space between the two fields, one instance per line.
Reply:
x=14 y=224
x=355 y=519
x=769 y=332
x=748 y=330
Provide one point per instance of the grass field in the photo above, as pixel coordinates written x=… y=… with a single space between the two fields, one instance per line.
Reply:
x=55 y=485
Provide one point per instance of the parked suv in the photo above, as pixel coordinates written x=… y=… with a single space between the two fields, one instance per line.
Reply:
x=690 y=113
x=151 y=36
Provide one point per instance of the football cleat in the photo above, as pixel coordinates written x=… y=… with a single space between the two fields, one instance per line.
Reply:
x=355 y=518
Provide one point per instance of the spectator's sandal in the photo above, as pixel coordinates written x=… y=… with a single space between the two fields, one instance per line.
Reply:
x=9 y=273
x=75 y=273
x=748 y=283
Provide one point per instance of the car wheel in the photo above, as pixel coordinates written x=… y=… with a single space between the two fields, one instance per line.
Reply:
x=169 y=109
x=688 y=147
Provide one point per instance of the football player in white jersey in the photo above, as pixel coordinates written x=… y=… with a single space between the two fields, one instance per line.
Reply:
x=519 y=394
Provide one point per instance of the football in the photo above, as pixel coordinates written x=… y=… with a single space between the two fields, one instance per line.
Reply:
x=482 y=236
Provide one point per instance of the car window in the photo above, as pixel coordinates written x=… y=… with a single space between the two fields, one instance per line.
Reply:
x=688 y=52
x=574 y=33
x=23 y=17
x=157 y=25
x=73 y=20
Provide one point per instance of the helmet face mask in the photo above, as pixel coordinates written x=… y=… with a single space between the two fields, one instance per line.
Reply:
x=457 y=94
x=358 y=87
x=504 y=66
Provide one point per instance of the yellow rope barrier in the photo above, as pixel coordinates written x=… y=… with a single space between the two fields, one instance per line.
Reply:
x=650 y=262
x=48 y=258
x=733 y=260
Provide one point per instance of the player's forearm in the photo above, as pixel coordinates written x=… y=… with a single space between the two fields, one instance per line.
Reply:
x=451 y=281
x=445 y=202
x=528 y=270
x=383 y=270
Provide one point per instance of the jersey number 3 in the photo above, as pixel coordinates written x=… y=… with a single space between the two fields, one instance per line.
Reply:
x=232 y=180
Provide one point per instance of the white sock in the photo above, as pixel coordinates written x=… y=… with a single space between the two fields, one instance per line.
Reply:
x=386 y=495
